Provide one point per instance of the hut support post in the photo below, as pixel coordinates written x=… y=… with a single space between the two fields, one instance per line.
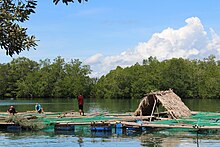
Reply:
x=158 y=115
x=153 y=108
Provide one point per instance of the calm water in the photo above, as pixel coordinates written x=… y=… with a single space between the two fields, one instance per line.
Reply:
x=83 y=137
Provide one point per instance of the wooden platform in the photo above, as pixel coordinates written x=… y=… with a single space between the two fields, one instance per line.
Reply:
x=126 y=121
x=180 y=126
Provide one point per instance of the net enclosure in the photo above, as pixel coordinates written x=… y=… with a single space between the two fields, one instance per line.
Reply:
x=168 y=99
x=33 y=121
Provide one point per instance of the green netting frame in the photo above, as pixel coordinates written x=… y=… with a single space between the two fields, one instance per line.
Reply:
x=36 y=121
x=199 y=119
x=47 y=121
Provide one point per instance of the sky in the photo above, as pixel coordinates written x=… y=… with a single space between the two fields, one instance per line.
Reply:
x=109 y=33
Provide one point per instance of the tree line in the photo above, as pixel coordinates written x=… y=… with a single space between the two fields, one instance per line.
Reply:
x=187 y=78
x=24 y=78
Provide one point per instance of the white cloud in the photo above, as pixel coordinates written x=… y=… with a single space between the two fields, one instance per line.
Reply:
x=93 y=59
x=189 y=41
x=214 y=43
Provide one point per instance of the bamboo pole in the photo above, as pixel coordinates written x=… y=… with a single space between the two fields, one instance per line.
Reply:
x=133 y=118
x=180 y=126
x=158 y=113
x=131 y=124
x=155 y=101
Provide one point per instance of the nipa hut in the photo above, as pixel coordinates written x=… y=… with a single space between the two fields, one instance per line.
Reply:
x=169 y=100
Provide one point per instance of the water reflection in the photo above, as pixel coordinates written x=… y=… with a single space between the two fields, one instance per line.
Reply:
x=60 y=105
x=100 y=105
x=158 y=138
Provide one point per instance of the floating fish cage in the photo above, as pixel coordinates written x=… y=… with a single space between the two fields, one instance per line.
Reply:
x=103 y=126
x=64 y=127
x=13 y=127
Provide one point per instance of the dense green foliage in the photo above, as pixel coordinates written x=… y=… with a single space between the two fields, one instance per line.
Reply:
x=25 y=78
x=29 y=79
x=68 y=1
x=13 y=13
x=13 y=37
x=189 y=79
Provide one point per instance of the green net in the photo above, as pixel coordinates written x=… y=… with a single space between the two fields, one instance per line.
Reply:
x=47 y=121
x=199 y=119
x=26 y=122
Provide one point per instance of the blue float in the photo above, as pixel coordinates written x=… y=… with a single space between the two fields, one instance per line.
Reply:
x=13 y=127
x=64 y=127
x=101 y=128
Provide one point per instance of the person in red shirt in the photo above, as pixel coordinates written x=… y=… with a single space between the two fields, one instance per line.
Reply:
x=80 y=104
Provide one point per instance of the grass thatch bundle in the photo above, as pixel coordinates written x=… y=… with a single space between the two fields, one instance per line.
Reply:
x=169 y=100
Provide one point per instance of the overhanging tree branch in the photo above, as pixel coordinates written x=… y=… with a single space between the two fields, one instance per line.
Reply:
x=67 y=1
x=14 y=37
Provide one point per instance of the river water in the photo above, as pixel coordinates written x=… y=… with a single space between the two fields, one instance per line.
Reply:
x=82 y=137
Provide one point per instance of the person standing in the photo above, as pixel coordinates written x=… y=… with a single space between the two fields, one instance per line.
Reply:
x=80 y=104
x=11 y=110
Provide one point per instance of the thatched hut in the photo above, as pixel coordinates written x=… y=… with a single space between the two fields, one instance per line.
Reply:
x=168 y=99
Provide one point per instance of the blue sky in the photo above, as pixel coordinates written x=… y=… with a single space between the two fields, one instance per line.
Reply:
x=108 y=33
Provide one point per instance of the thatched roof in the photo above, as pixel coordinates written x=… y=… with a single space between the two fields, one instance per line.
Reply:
x=169 y=100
